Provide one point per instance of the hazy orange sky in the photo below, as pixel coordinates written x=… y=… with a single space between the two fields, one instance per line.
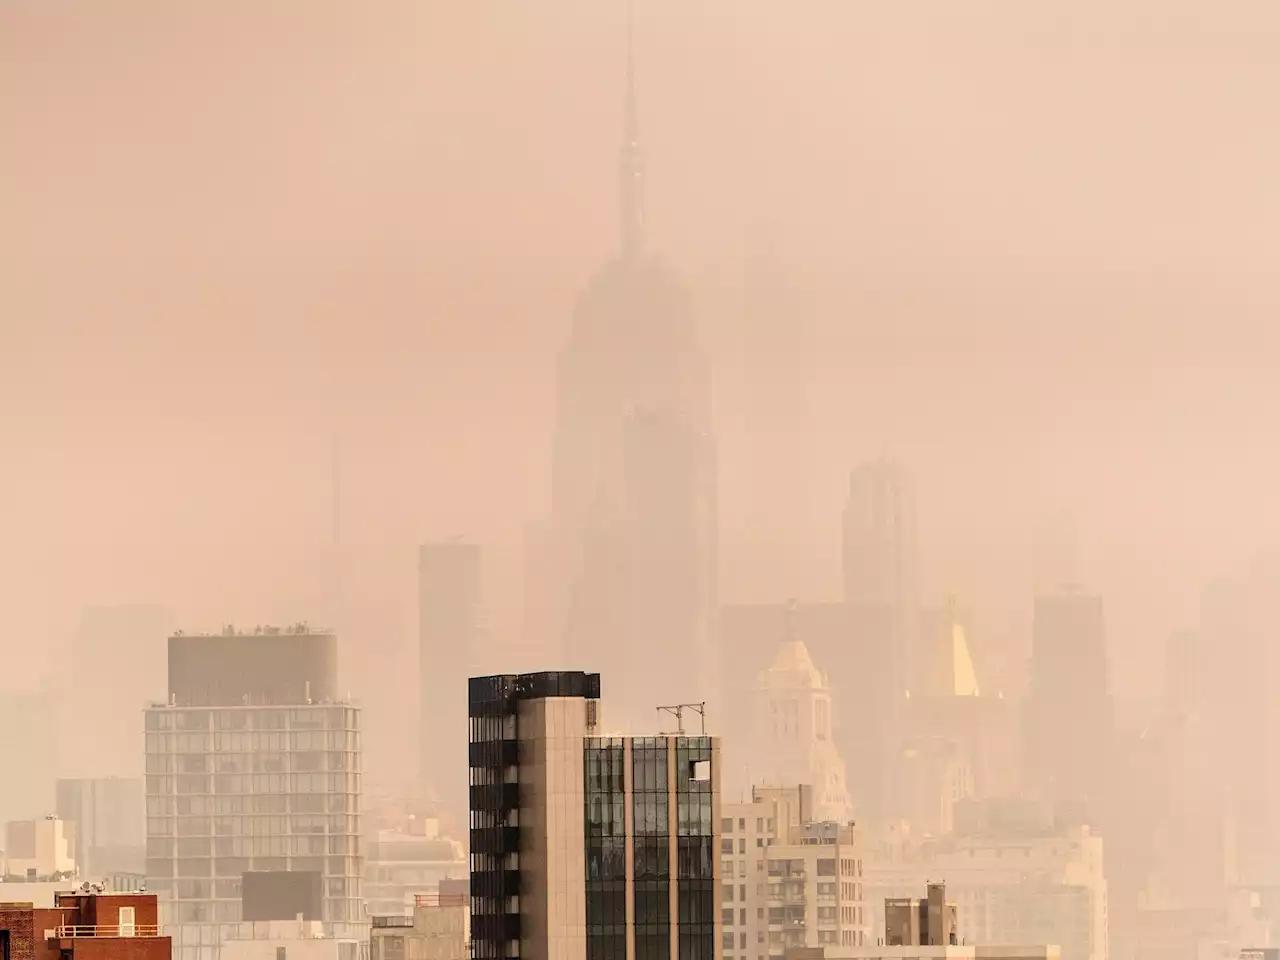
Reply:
x=1033 y=247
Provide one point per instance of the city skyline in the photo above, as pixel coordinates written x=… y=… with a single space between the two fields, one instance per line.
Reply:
x=878 y=400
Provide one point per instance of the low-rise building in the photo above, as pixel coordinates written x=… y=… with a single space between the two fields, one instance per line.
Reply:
x=286 y=940
x=438 y=929
x=86 y=924
x=38 y=850
x=401 y=865
x=923 y=929
x=1031 y=883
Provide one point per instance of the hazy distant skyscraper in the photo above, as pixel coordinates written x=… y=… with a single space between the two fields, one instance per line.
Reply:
x=793 y=742
x=1069 y=720
x=880 y=536
x=449 y=611
x=633 y=533
x=105 y=820
x=777 y=470
x=114 y=665
x=880 y=600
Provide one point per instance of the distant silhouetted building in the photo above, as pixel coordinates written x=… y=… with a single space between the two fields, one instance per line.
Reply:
x=632 y=542
x=582 y=843
x=110 y=670
x=106 y=821
x=1068 y=723
x=449 y=615
x=29 y=744
x=880 y=554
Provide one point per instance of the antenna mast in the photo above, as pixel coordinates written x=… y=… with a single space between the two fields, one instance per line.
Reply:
x=677 y=710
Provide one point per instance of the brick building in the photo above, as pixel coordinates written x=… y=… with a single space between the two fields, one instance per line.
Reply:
x=84 y=926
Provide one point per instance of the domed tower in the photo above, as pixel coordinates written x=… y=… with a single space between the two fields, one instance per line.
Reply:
x=793 y=730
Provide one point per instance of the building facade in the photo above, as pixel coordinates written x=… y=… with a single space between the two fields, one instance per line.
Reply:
x=1010 y=887
x=586 y=846
x=88 y=924
x=924 y=929
x=37 y=850
x=793 y=740
x=437 y=930
x=249 y=778
x=1069 y=717
x=789 y=880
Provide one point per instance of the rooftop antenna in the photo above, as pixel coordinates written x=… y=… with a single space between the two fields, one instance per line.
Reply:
x=631 y=159
x=677 y=710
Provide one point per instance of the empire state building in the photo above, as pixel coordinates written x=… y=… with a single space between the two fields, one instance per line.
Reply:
x=633 y=526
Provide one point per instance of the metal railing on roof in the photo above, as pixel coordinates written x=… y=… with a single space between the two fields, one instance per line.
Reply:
x=72 y=932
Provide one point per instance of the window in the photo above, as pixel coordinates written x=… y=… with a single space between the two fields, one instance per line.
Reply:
x=759 y=824
x=726 y=824
x=726 y=916
x=726 y=847
x=826 y=868
x=742 y=823
x=280 y=953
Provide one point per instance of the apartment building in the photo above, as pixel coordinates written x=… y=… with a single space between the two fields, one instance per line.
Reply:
x=788 y=881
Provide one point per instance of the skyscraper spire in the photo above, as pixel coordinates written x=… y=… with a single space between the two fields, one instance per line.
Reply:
x=631 y=162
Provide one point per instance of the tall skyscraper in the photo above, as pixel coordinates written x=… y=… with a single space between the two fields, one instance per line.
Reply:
x=634 y=526
x=880 y=553
x=586 y=846
x=1069 y=717
x=880 y=594
x=449 y=592
x=253 y=777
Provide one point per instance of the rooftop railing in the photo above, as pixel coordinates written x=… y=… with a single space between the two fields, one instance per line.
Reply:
x=111 y=930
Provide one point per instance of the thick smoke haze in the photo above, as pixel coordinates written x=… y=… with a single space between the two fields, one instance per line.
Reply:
x=1026 y=249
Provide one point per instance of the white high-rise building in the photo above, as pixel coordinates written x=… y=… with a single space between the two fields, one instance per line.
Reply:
x=792 y=743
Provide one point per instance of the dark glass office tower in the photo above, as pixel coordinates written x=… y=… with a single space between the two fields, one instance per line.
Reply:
x=587 y=847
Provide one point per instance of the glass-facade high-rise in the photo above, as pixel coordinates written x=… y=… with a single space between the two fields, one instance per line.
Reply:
x=253 y=789
x=587 y=847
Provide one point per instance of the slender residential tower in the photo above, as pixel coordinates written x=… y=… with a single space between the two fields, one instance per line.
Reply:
x=586 y=846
